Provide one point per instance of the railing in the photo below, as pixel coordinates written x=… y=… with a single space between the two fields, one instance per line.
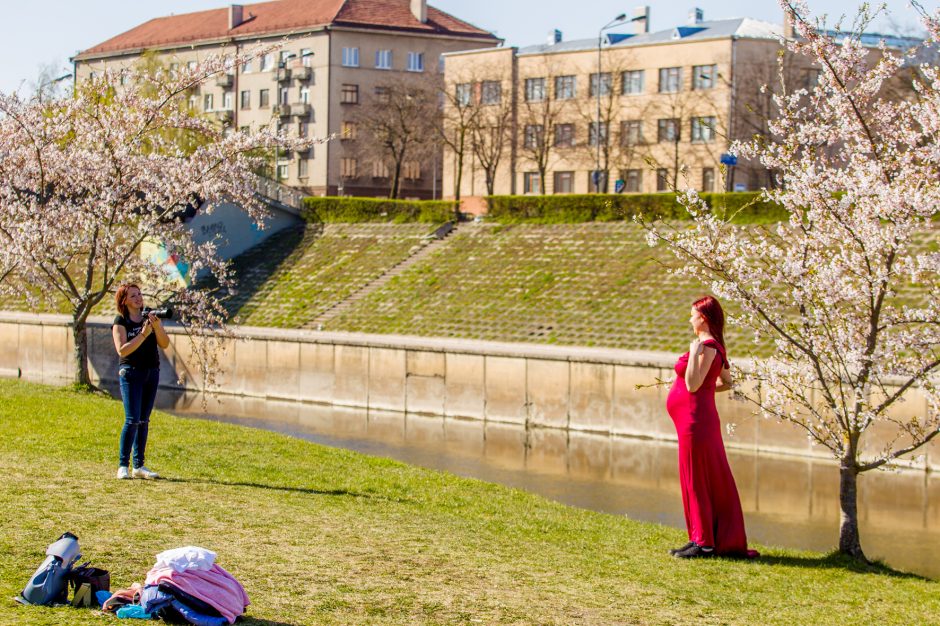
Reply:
x=288 y=197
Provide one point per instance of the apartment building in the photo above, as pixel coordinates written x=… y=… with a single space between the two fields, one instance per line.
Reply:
x=648 y=111
x=336 y=54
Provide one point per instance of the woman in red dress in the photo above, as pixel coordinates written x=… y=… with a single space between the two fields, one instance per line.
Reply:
x=713 y=514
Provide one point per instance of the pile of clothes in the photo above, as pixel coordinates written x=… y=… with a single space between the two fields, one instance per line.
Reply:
x=185 y=584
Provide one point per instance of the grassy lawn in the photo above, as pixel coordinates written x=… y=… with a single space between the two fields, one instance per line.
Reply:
x=319 y=535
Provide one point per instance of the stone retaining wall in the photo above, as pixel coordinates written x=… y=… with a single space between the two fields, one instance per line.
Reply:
x=583 y=389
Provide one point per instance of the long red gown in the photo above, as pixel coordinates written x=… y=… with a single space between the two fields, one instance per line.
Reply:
x=712 y=507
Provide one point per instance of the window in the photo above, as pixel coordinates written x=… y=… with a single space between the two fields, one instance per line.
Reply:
x=305 y=95
x=594 y=137
x=600 y=185
x=350 y=57
x=283 y=96
x=668 y=130
x=603 y=85
x=348 y=167
x=670 y=79
x=564 y=135
x=632 y=82
x=411 y=170
x=565 y=87
x=662 y=179
x=207 y=102
x=193 y=101
x=302 y=168
x=534 y=89
x=462 y=94
x=632 y=180
x=349 y=94
x=245 y=99
x=811 y=78
x=415 y=61
x=227 y=99
x=246 y=67
x=383 y=59
x=708 y=179
x=264 y=98
x=564 y=182
x=306 y=57
x=533 y=136
x=349 y=130
x=382 y=95
x=631 y=132
x=704 y=76
x=191 y=65
x=303 y=129
x=379 y=169
x=267 y=62
x=283 y=56
x=283 y=171
x=174 y=68
x=703 y=129
x=490 y=92
x=531 y=183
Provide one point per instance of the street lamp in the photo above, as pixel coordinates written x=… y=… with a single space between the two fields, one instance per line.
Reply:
x=620 y=19
x=48 y=83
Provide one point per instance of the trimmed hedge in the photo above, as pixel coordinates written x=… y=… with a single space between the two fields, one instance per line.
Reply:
x=355 y=210
x=745 y=207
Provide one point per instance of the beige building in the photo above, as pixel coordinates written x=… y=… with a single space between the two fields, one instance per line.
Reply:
x=336 y=53
x=651 y=111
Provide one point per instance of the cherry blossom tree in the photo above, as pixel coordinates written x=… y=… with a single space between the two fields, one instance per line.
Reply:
x=835 y=288
x=89 y=180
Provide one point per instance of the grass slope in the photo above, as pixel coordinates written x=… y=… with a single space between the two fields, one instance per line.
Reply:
x=320 y=535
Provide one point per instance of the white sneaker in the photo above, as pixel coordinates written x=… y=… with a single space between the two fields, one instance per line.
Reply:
x=143 y=472
x=123 y=474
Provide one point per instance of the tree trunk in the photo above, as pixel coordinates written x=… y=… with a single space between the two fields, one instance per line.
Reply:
x=80 y=353
x=849 y=541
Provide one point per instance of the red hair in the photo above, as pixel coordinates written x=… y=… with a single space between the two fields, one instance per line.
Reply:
x=121 y=295
x=711 y=310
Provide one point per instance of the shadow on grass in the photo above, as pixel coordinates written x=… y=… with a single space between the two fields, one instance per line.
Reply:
x=305 y=490
x=255 y=267
x=836 y=560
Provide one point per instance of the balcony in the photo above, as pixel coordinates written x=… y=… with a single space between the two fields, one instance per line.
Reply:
x=224 y=80
x=284 y=75
x=282 y=110
x=224 y=115
x=300 y=109
x=303 y=73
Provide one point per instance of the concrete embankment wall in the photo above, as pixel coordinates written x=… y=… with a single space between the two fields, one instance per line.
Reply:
x=582 y=389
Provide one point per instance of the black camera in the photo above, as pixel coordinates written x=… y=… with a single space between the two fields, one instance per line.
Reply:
x=165 y=313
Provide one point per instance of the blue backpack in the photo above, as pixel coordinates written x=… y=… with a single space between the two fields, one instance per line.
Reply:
x=49 y=585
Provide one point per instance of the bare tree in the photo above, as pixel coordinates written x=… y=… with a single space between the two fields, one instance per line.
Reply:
x=492 y=134
x=539 y=115
x=458 y=120
x=398 y=126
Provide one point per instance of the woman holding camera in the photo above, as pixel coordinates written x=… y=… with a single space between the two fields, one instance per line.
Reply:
x=136 y=336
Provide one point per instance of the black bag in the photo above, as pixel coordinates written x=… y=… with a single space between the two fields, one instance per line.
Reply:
x=86 y=582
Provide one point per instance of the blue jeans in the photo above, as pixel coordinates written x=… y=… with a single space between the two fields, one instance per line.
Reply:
x=138 y=389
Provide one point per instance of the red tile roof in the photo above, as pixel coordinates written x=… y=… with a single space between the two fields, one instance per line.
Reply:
x=280 y=16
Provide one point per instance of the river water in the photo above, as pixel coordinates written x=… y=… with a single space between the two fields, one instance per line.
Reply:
x=791 y=502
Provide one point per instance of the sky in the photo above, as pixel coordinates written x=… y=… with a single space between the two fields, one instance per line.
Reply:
x=34 y=35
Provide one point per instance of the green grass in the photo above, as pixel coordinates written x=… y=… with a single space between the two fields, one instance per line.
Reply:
x=320 y=535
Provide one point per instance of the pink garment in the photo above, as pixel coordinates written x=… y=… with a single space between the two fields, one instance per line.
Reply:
x=214 y=586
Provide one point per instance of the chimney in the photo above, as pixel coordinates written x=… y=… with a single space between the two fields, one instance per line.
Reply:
x=419 y=8
x=696 y=16
x=641 y=20
x=554 y=37
x=236 y=14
